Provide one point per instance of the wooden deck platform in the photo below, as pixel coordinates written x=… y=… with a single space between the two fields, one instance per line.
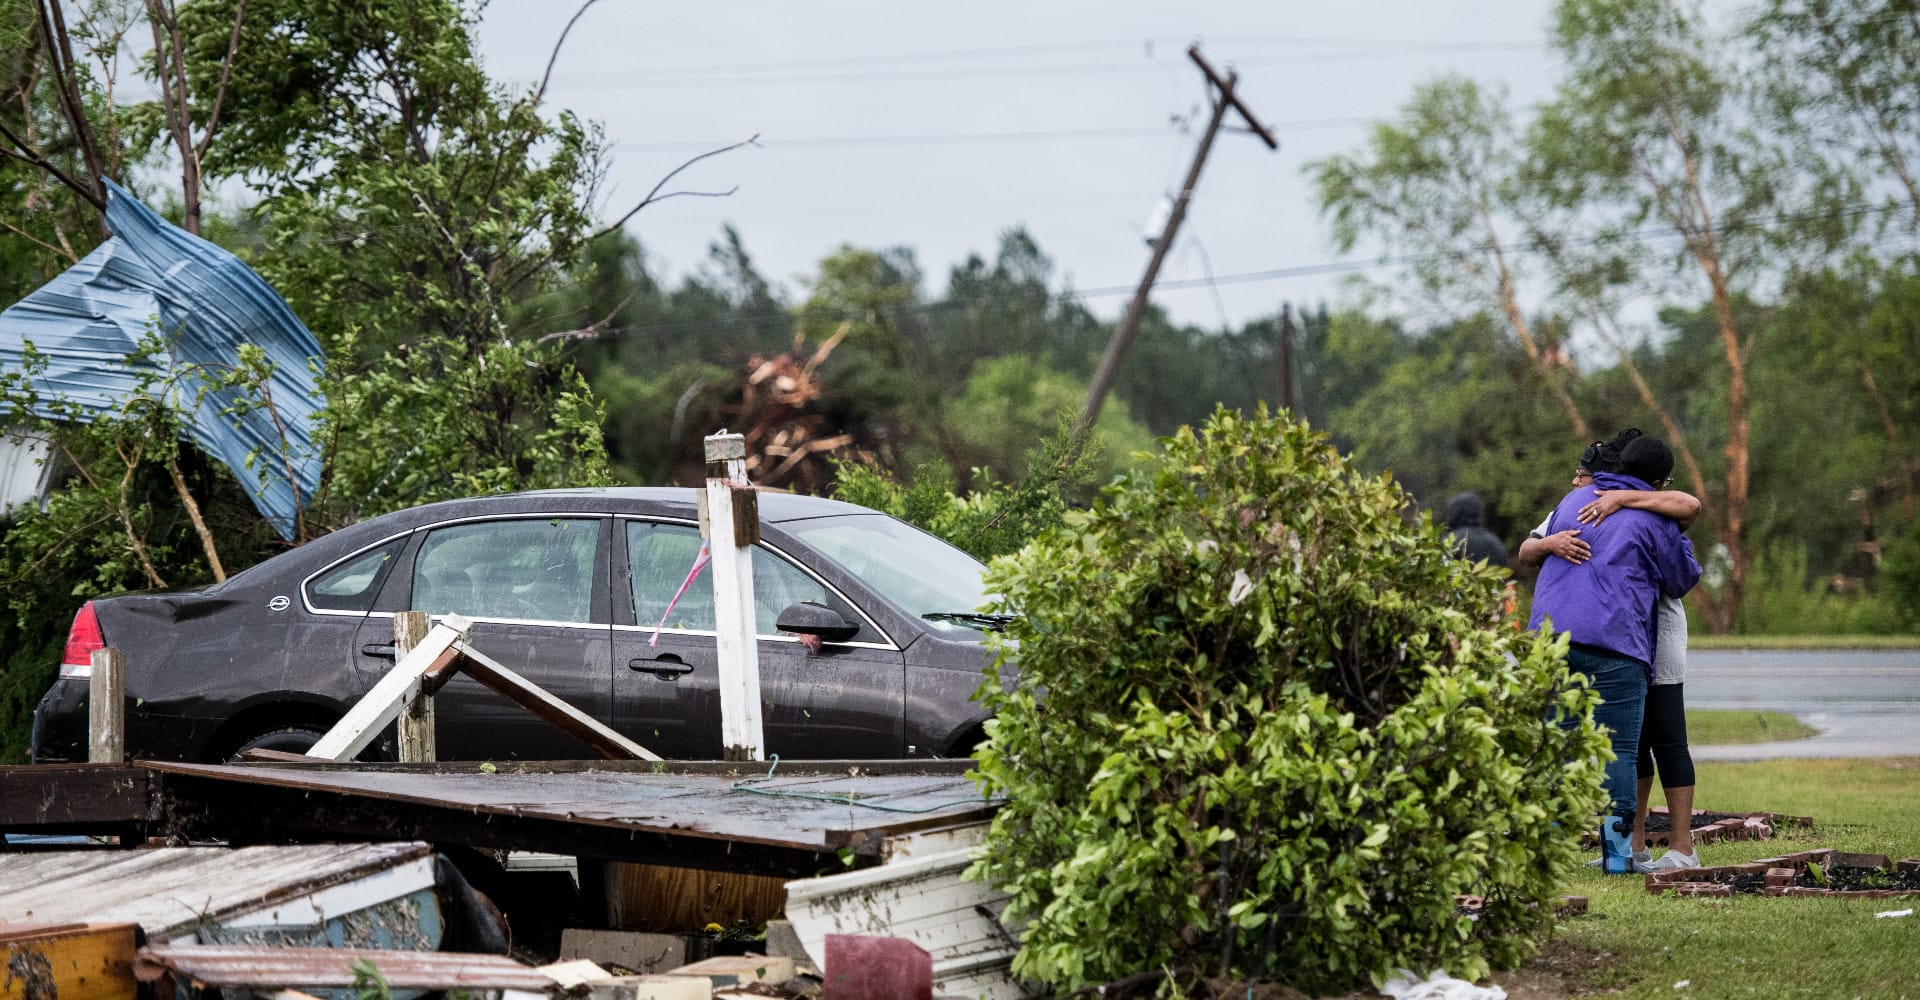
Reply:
x=802 y=819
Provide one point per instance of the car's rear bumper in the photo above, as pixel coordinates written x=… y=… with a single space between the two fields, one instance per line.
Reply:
x=60 y=724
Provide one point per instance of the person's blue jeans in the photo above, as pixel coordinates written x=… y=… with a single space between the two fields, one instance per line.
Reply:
x=1622 y=684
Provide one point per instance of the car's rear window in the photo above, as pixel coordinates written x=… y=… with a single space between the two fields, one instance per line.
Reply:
x=352 y=584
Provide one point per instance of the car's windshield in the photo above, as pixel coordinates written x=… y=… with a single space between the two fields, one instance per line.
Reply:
x=922 y=575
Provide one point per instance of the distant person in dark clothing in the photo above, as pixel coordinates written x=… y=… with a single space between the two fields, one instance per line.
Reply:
x=1471 y=540
x=1607 y=605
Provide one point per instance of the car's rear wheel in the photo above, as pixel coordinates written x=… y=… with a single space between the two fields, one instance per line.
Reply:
x=288 y=739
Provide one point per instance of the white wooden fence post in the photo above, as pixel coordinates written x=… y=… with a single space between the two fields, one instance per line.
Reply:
x=107 y=708
x=731 y=525
x=416 y=723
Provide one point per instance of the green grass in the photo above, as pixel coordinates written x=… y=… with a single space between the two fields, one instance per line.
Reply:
x=1803 y=642
x=1724 y=726
x=1641 y=945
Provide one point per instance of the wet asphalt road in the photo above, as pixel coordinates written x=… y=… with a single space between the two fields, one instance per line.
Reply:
x=1865 y=703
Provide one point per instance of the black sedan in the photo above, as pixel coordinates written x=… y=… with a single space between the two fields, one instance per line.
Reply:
x=576 y=590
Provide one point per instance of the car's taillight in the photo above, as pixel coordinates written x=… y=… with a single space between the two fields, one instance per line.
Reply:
x=82 y=640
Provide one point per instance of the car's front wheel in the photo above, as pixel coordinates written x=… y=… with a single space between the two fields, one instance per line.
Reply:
x=288 y=739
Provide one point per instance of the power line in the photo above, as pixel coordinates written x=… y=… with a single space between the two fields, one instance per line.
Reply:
x=961 y=138
x=1353 y=48
x=693 y=76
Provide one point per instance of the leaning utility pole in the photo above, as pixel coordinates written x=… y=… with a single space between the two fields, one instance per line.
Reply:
x=1286 y=358
x=1129 y=323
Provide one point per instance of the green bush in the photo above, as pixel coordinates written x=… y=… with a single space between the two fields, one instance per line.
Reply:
x=991 y=519
x=1900 y=577
x=1264 y=730
x=1781 y=599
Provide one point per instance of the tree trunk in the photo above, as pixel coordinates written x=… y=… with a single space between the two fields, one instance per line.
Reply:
x=1721 y=610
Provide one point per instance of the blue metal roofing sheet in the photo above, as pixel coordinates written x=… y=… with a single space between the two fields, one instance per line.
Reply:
x=153 y=276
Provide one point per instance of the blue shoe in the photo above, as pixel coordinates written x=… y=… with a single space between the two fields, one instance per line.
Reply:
x=1616 y=845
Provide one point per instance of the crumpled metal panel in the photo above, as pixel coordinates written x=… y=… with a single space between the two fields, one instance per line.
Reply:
x=153 y=276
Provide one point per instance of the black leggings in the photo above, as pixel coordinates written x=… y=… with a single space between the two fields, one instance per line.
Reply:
x=1663 y=737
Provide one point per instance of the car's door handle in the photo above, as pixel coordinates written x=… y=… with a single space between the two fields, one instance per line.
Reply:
x=378 y=649
x=667 y=668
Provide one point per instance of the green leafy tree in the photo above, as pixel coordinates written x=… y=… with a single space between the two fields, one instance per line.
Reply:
x=1264 y=729
x=1013 y=406
x=1843 y=82
x=1439 y=186
x=1644 y=137
x=412 y=208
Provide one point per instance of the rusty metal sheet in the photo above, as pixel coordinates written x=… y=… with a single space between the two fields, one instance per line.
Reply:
x=706 y=815
x=175 y=892
x=252 y=967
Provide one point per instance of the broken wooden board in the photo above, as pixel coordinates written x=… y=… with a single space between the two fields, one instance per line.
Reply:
x=342 y=895
x=427 y=665
x=391 y=695
x=207 y=968
x=73 y=798
x=923 y=900
x=556 y=712
x=67 y=961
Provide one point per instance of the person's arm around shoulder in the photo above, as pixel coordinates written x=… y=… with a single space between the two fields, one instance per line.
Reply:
x=1540 y=544
x=1678 y=506
x=1565 y=544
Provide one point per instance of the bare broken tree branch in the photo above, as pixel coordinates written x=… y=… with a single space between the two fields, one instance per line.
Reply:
x=541 y=90
x=592 y=331
x=226 y=77
x=655 y=195
x=26 y=153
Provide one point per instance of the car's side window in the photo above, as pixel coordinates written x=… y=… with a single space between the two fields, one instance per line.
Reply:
x=531 y=569
x=352 y=584
x=661 y=555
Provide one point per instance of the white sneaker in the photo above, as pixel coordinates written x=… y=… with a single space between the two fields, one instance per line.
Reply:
x=1639 y=858
x=1669 y=861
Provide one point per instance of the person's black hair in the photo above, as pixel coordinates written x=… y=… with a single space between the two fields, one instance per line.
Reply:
x=1647 y=459
x=1604 y=456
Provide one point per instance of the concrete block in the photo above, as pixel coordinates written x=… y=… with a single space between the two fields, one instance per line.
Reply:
x=783 y=940
x=876 y=968
x=629 y=951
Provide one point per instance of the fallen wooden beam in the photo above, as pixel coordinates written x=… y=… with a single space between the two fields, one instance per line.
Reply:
x=429 y=665
x=535 y=699
x=394 y=692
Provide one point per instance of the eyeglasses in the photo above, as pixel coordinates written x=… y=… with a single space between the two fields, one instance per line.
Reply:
x=1582 y=474
x=1664 y=483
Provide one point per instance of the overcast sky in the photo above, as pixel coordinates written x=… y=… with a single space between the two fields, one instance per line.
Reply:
x=938 y=127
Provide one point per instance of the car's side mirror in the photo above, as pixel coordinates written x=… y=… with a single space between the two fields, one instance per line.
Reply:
x=809 y=618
